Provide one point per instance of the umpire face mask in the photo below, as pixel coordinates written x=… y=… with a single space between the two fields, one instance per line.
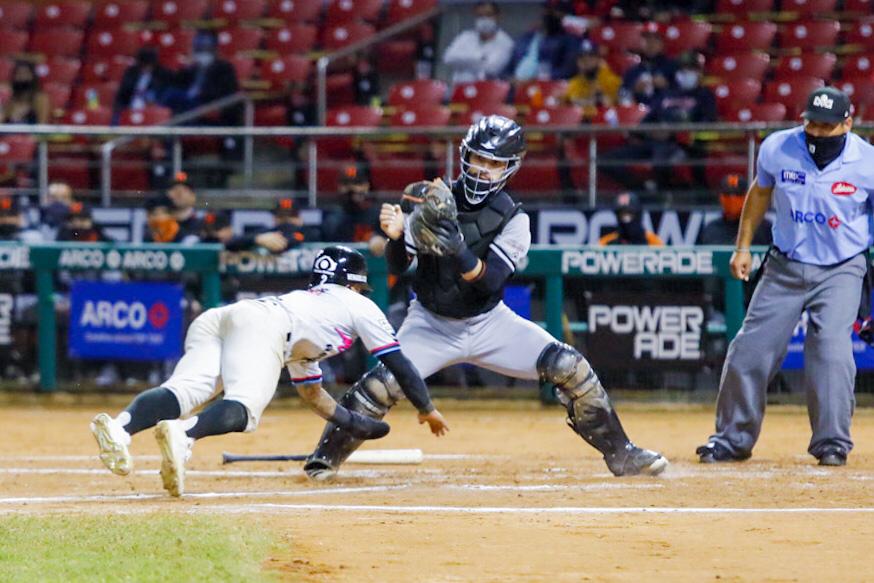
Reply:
x=823 y=148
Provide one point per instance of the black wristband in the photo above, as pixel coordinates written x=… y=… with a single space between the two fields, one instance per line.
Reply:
x=466 y=260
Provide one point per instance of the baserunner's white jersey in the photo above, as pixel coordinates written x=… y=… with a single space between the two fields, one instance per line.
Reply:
x=325 y=321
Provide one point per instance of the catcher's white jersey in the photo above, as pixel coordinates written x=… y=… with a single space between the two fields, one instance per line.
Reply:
x=246 y=344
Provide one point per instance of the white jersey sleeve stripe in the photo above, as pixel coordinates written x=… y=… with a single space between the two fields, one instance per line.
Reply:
x=503 y=255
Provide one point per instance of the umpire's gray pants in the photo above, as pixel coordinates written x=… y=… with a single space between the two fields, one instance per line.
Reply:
x=787 y=288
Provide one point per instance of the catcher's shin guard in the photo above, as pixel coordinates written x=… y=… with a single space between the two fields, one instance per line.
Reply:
x=373 y=395
x=590 y=413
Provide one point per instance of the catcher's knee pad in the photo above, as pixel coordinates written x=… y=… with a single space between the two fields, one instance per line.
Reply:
x=590 y=413
x=373 y=395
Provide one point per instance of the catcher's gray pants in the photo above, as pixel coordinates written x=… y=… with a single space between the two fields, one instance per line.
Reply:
x=787 y=288
x=499 y=340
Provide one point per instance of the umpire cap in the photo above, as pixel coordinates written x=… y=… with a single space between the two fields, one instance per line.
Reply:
x=827 y=104
x=340 y=265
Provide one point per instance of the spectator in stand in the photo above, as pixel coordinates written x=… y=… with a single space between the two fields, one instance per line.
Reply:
x=142 y=84
x=28 y=103
x=482 y=52
x=184 y=200
x=366 y=82
x=659 y=10
x=13 y=226
x=629 y=224
x=288 y=222
x=54 y=215
x=723 y=231
x=217 y=229
x=595 y=85
x=163 y=226
x=80 y=226
x=547 y=52
x=655 y=74
x=358 y=222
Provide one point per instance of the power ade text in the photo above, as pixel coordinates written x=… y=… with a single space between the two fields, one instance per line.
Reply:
x=660 y=332
x=643 y=262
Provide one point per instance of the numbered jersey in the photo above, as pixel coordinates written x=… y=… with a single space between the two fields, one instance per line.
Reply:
x=325 y=321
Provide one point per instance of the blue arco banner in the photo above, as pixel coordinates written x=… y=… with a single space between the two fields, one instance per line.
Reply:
x=125 y=321
x=862 y=353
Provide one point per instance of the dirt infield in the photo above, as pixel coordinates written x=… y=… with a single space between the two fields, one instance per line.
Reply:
x=510 y=494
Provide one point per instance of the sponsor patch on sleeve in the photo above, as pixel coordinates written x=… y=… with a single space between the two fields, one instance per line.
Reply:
x=793 y=177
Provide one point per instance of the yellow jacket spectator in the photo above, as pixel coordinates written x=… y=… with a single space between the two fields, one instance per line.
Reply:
x=595 y=84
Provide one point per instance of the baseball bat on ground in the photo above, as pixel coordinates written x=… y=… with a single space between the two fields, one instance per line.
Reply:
x=373 y=456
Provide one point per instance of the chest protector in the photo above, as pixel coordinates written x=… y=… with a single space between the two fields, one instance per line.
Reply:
x=437 y=282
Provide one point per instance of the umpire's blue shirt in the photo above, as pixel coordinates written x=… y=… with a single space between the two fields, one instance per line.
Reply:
x=822 y=216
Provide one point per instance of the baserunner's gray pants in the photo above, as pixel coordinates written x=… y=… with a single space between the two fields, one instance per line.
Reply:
x=787 y=288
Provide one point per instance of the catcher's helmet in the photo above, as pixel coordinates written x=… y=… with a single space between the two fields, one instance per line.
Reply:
x=341 y=265
x=495 y=137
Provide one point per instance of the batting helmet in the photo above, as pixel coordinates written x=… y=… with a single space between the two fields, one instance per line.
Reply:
x=340 y=265
x=497 y=138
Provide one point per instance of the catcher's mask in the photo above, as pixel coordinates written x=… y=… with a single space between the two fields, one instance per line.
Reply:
x=340 y=265
x=497 y=138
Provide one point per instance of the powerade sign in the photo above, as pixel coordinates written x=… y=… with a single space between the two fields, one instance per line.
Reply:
x=125 y=321
x=652 y=261
x=862 y=353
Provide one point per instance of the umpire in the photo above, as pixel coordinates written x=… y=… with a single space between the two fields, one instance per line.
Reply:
x=820 y=178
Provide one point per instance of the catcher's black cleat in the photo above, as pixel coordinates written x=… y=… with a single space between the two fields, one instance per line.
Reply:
x=635 y=461
x=319 y=470
x=833 y=457
x=715 y=452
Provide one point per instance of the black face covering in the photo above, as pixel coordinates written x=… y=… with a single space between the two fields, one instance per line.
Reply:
x=825 y=150
x=552 y=24
x=8 y=232
x=22 y=86
x=632 y=231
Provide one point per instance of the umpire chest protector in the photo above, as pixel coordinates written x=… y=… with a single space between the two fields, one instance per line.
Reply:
x=437 y=282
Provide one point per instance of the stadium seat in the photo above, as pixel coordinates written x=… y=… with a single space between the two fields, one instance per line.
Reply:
x=393 y=175
x=68 y=13
x=293 y=38
x=337 y=37
x=538 y=94
x=758 y=112
x=858 y=7
x=810 y=35
x=173 y=44
x=746 y=36
x=619 y=36
x=396 y=58
x=752 y=65
x=340 y=89
x=148 y=116
x=537 y=175
x=476 y=111
x=104 y=92
x=16 y=149
x=348 y=116
x=235 y=11
x=807 y=65
x=792 y=93
x=13 y=42
x=173 y=13
x=418 y=92
x=741 y=9
x=118 y=13
x=271 y=115
x=94 y=70
x=240 y=40
x=58 y=70
x=564 y=115
x=719 y=165
x=631 y=114
x=857 y=66
x=808 y=8
x=620 y=61
x=480 y=92
x=16 y=15
x=106 y=43
x=399 y=10
x=244 y=67
x=861 y=91
x=6 y=66
x=686 y=35
x=295 y=11
x=280 y=72
x=862 y=33
x=59 y=95
x=56 y=43
x=419 y=115
x=71 y=168
x=342 y=12
x=738 y=91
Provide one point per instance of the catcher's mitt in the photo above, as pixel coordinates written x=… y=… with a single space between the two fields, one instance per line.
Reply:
x=434 y=209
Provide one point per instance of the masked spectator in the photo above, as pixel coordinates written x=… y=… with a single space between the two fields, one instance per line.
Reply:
x=80 y=227
x=723 y=231
x=595 y=84
x=142 y=84
x=358 y=221
x=208 y=78
x=13 y=226
x=629 y=224
x=548 y=52
x=184 y=200
x=654 y=74
x=55 y=213
x=28 y=103
x=482 y=52
x=162 y=224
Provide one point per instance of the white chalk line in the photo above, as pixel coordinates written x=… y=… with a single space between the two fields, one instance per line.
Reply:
x=290 y=473
x=552 y=487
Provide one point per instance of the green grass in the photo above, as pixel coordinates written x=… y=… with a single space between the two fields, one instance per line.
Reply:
x=148 y=547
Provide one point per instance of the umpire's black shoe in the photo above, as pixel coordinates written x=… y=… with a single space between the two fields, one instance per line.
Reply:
x=833 y=457
x=715 y=452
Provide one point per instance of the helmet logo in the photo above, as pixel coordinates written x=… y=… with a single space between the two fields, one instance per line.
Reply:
x=325 y=265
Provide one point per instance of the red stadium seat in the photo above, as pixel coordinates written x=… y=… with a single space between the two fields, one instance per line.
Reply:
x=113 y=69
x=808 y=8
x=856 y=66
x=294 y=38
x=686 y=35
x=719 y=165
x=397 y=58
x=244 y=67
x=758 y=112
x=807 y=65
x=537 y=175
x=421 y=115
x=858 y=7
x=280 y=72
x=393 y=175
x=810 y=35
x=741 y=9
x=59 y=95
x=234 y=41
x=6 y=66
x=619 y=36
x=480 y=92
x=746 y=36
x=104 y=92
x=348 y=116
x=537 y=94
x=337 y=37
x=793 y=93
x=150 y=115
x=174 y=12
x=862 y=34
x=271 y=115
x=67 y=13
x=477 y=111
x=631 y=114
x=105 y=44
x=341 y=12
x=173 y=44
x=555 y=116
x=56 y=43
x=236 y=11
x=295 y=11
x=399 y=10
x=115 y=14
x=72 y=169
x=58 y=70
x=737 y=91
x=15 y=15
x=620 y=62
x=419 y=92
x=16 y=149
x=751 y=65
x=13 y=42
x=860 y=90
x=340 y=89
